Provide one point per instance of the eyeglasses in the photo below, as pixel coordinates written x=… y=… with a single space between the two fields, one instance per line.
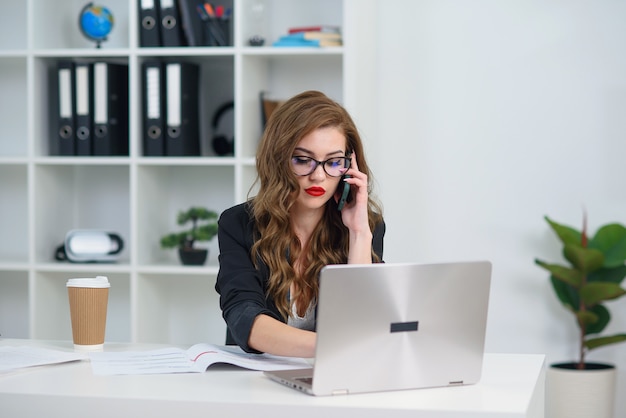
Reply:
x=334 y=167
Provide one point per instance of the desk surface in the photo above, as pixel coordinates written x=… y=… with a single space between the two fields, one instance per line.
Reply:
x=512 y=385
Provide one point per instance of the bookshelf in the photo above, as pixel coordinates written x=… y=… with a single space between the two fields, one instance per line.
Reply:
x=153 y=298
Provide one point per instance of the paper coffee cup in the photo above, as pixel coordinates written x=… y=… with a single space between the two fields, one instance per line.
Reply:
x=88 y=311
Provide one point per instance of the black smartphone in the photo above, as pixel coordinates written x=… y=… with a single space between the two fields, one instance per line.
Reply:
x=345 y=194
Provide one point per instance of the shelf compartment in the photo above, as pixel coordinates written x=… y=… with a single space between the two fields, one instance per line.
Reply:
x=80 y=197
x=51 y=310
x=13 y=107
x=163 y=191
x=46 y=108
x=14 y=315
x=178 y=309
x=57 y=26
x=216 y=87
x=273 y=74
x=14 y=27
x=14 y=209
x=272 y=18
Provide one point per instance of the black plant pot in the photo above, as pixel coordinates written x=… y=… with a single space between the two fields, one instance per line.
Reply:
x=193 y=257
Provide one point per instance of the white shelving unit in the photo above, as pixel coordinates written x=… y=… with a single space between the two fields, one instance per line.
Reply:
x=153 y=298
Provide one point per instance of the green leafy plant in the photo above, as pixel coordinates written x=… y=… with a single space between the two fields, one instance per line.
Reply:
x=594 y=274
x=203 y=228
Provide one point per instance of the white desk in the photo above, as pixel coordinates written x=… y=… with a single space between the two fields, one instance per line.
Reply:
x=512 y=385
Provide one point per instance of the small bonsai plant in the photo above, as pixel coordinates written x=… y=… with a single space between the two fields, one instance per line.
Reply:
x=594 y=274
x=203 y=228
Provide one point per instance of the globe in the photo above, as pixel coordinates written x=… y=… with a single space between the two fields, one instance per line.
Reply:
x=95 y=22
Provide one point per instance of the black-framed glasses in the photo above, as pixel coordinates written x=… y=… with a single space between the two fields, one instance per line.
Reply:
x=334 y=167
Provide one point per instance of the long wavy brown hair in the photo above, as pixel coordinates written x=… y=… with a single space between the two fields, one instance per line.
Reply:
x=276 y=244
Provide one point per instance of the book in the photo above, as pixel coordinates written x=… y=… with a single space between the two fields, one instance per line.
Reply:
x=197 y=359
x=318 y=28
x=299 y=40
x=331 y=36
x=296 y=43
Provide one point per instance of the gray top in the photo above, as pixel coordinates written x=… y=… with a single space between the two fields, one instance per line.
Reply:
x=306 y=322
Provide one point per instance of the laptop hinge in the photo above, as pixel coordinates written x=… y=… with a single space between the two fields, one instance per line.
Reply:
x=339 y=392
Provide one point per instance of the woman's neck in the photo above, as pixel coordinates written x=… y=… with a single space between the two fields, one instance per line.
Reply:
x=304 y=222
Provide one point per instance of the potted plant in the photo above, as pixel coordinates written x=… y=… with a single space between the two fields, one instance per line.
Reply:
x=593 y=274
x=203 y=228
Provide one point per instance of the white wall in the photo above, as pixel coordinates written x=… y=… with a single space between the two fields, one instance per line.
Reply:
x=491 y=115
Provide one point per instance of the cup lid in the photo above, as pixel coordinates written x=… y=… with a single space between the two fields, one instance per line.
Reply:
x=98 y=281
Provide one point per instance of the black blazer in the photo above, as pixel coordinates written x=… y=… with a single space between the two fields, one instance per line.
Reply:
x=241 y=286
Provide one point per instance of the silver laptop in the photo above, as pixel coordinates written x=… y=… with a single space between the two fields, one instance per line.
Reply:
x=383 y=327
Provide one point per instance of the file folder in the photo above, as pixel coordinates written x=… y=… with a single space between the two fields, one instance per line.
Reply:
x=110 y=114
x=153 y=108
x=149 y=23
x=182 y=118
x=84 y=107
x=64 y=140
x=171 y=28
x=191 y=23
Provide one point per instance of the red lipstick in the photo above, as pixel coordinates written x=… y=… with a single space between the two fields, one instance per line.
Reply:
x=315 y=191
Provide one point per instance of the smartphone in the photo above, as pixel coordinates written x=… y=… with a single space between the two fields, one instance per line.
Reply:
x=345 y=194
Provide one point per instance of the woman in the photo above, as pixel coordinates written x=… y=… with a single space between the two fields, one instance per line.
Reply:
x=273 y=247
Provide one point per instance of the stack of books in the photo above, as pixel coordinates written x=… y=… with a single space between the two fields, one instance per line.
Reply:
x=311 y=36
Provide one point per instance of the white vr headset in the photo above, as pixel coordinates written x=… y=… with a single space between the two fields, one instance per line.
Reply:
x=87 y=245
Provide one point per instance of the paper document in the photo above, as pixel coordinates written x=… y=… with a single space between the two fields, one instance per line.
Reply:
x=196 y=359
x=13 y=358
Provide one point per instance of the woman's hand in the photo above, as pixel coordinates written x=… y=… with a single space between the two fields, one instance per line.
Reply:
x=355 y=216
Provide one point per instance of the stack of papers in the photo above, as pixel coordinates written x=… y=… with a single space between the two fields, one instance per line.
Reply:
x=14 y=358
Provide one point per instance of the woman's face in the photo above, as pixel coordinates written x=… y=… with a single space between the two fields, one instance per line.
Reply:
x=318 y=187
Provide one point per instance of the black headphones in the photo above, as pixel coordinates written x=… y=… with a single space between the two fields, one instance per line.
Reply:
x=222 y=145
